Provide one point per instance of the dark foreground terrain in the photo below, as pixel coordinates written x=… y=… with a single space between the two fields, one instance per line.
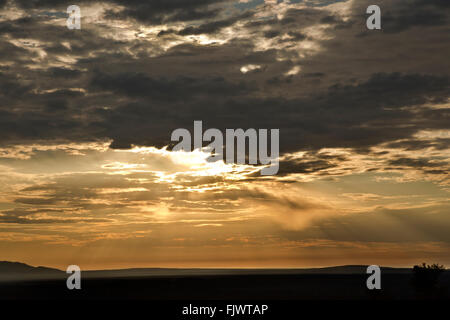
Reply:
x=338 y=283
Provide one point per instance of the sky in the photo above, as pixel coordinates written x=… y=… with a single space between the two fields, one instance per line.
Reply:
x=87 y=171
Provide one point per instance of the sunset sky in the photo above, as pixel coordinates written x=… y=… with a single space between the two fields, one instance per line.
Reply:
x=87 y=175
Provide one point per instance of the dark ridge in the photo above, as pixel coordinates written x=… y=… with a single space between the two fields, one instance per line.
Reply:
x=17 y=271
x=22 y=271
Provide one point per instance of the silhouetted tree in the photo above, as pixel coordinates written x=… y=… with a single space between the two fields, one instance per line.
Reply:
x=426 y=276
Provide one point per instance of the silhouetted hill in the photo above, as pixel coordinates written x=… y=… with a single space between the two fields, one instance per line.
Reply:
x=21 y=281
x=161 y=272
x=13 y=271
x=17 y=271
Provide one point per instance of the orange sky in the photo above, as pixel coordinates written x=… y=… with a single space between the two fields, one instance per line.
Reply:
x=99 y=208
x=86 y=172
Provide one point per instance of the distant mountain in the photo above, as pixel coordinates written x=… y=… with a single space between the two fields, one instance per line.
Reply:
x=18 y=271
x=166 y=272
x=352 y=269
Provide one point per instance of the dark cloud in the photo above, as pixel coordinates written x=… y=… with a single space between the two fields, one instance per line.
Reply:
x=271 y=34
x=416 y=163
x=163 y=11
x=300 y=166
x=416 y=144
x=141 y=85
x=416 y=13
x=64 y=72
x=354 y=92
x=214 y=26
x=356 y=116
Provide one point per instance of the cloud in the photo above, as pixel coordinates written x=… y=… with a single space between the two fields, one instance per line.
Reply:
x=141 y=85
x=424 y=14
x=363 y=117
x=209 y=27
x=157 y=11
